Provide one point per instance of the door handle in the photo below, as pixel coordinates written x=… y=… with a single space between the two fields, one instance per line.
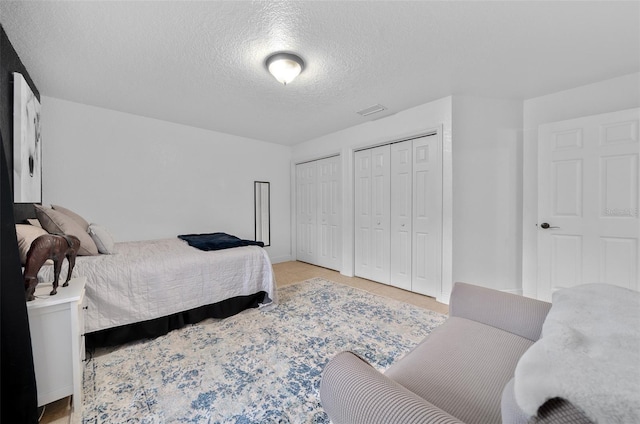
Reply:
x=546 y=226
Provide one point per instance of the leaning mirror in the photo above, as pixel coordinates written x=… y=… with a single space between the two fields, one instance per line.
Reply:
x=262 y=211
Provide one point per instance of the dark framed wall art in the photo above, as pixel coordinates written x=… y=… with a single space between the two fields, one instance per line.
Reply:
x=27 y=143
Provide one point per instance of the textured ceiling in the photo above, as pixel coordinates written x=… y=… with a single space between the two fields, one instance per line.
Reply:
x=202 y=63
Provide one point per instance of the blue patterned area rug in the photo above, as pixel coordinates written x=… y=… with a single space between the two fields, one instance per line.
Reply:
x=256 y=367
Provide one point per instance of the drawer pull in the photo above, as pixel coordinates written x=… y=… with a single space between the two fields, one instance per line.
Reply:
x=85 y=307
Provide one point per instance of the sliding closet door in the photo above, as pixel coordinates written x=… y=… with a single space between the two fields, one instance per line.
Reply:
x=372 y=213
x=329 y=208
x=306 y=196
x=398 y=214
x=401 y=212
x=427 y=215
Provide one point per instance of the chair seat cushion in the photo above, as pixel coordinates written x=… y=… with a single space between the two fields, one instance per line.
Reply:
x=462 y=368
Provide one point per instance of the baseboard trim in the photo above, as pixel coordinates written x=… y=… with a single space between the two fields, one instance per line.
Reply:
x=278 y=259
x=513 y=291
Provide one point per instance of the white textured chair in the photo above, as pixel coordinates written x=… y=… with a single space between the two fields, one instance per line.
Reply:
x=461 y=373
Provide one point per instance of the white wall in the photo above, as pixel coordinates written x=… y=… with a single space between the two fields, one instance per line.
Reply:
x=487 y=163
x=146 y=179
x=602 y=97
x=410 y=122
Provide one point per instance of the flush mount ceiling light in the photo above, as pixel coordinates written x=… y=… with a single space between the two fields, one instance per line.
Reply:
x=285 y=67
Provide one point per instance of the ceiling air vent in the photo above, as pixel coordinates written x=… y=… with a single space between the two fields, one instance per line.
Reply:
x=371 y=110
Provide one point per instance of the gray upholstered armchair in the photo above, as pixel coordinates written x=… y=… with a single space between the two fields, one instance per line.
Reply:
x=456 y=375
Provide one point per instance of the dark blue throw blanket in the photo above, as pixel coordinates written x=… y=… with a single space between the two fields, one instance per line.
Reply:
x=217 y=241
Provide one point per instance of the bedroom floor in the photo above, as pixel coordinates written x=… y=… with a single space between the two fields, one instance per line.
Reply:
x=288 y=273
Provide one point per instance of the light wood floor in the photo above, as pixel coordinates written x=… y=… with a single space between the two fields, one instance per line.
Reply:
x=288 y=273
x=293 y=272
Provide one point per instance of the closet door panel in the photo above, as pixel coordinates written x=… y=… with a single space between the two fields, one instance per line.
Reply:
x=306 y=197
x=401 y=211
x=372 y=218
x=362 y=209
x=362 y=219
x=329 y=207
x=381 y=214
x=427 y=215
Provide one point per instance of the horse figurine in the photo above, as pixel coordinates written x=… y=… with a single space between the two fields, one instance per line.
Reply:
x=49 y=246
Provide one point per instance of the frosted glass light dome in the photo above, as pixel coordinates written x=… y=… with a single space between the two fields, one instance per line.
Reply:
x=285 y=67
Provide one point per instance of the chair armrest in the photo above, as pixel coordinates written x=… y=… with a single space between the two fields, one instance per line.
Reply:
x=353 y=392
x=516 y=314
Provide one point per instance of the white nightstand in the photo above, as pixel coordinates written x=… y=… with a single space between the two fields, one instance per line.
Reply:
x=57 y=338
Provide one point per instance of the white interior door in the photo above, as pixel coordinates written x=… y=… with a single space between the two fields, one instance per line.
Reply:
x=427 y=216
x=401 y=223
x=588 y=191
x=329 y=207
x=306 y=218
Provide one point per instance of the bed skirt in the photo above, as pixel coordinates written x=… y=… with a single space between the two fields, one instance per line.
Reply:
x=161 y=326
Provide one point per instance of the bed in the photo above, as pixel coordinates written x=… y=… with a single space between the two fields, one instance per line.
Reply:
x=147 y=288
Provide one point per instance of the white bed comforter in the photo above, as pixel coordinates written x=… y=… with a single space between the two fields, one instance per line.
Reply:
x=151 y=279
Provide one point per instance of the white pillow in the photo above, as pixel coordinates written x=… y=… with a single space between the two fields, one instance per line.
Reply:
x=102 y=238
